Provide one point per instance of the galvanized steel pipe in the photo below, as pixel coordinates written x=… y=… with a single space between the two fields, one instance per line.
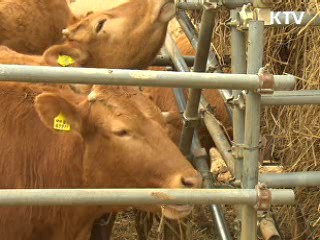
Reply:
x=136 y=197
x=197 y=4
x=200 y=162
x=162 y=60
x=213 y=64
x=252 y=130
x=291 y=180
x=190 y=4
x=238 y=65
x=191 y=112
x=37 y=74
x=236 y=3
x=192 y=36
x=301 y=97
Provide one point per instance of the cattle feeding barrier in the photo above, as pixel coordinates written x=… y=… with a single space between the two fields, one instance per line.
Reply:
x=251 y=87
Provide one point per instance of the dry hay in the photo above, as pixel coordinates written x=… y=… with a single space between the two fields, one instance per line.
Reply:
x=295 y=129
x=198 y=226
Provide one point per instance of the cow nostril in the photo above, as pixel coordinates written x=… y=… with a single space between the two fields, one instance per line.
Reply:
x=191 y=182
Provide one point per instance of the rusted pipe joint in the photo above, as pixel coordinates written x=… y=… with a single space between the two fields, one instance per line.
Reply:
x=264 y=198
x=267 y=82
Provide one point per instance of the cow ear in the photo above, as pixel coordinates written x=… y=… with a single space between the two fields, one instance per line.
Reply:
x=167 y=12
x=65 y=56
x=58 y=114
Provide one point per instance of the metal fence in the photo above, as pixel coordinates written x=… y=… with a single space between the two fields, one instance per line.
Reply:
x=241 y=158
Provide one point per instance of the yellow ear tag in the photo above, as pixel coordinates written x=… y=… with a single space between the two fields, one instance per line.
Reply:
x=65 y=61
x=60 y=123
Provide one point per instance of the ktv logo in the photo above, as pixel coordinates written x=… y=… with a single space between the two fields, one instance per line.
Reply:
x=277 y=18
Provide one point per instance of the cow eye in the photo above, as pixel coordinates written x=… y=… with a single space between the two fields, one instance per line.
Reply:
x=122 y=133
x=100 y=25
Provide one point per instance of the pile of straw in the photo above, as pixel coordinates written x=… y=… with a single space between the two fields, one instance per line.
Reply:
x=295 y=129
x=198 y=226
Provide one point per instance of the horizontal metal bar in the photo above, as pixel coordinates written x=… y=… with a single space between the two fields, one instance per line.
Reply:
x=290 y=180
x=190 y=5
x=162 y=60
x=198 y=4
x=292 y=98
x=236 y=3
x=37 y=74
x=40 y=197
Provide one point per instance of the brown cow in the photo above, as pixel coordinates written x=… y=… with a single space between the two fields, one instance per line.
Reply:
x=81 y=7
x=116 y=139
x=105 y=37
x=128 y=36
x=29 y=26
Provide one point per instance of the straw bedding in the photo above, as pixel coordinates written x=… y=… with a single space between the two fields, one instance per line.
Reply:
x=198 y=226
x=296 y=129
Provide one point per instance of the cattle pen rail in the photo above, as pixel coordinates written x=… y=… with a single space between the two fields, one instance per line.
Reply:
x=37 y=74
x=136 y=197
x=262 y=88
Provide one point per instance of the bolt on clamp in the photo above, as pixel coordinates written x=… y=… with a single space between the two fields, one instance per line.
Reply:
x=190 y=122
x=237 y=101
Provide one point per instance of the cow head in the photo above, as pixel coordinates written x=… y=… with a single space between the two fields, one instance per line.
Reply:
x=128 y=36
x=126 y=145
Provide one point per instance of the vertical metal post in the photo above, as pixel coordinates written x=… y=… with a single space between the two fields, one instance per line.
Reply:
x=212 y=64
x=200 y=157
x=191 y=113
x=238 y=65
x=192 y=35
x=252 y=130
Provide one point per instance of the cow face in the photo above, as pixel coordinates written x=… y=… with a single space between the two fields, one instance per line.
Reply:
x=128 y=36
x=126 y=145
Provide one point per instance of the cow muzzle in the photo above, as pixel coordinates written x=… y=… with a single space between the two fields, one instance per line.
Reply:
x=190 y=179
x=176 y=212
